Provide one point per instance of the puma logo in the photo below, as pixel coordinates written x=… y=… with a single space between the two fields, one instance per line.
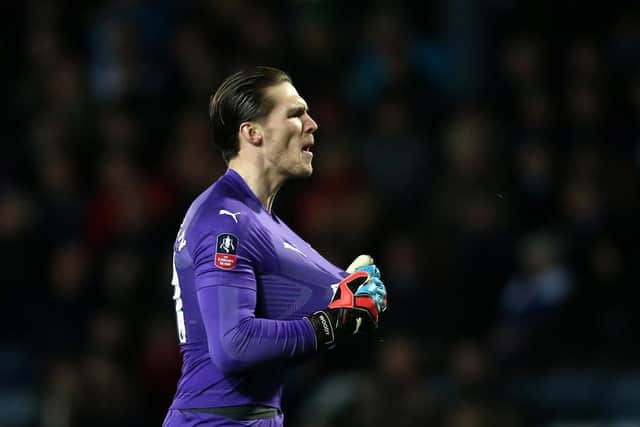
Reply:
x=358 y=324
x=288 y=245
x=231 y=214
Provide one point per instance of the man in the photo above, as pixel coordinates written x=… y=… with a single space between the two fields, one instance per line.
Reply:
x=251 y=296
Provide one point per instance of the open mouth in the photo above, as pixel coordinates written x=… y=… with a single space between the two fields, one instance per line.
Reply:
x=307 y=147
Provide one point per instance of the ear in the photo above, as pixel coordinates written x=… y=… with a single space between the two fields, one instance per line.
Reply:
x=251 y=132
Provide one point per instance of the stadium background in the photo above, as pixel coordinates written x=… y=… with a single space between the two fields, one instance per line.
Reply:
x=487 y=154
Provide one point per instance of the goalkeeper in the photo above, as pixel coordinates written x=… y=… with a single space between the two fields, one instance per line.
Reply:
x=251 y=297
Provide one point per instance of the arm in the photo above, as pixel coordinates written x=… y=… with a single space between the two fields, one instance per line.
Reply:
x=226 y=292
x=238 y=340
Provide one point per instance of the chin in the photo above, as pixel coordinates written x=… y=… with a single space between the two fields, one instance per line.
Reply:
x=306 y=172
x=308 y=169
x=303 y=172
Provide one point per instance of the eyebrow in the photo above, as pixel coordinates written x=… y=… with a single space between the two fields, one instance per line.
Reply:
x=300 y=108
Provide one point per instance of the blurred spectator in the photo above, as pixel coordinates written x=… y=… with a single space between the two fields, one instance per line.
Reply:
x=401 y=258
x=393 y=57
x=60 y=391
x=395 y=393
x=544 y=283
x=534 y=184
x=66 y=305
x=532 y=298
x=105 y=396
x=195 y=66
x=337 y=233
x=400 y=184
x=20 y=244
x=125 y=39
x=191 y=163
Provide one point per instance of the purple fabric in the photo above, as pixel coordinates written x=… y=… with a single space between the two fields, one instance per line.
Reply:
x=180 y=418
x=238 y=340
x=241 y=325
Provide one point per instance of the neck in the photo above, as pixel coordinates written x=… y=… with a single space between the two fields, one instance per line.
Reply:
x=263 y=184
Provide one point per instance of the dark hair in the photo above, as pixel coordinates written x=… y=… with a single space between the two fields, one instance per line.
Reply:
x=241 y=97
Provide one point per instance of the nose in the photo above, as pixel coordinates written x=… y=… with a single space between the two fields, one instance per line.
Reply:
x=311 y=126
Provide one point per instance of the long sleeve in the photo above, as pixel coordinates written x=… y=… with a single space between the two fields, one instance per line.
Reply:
x=237 y=340
x=226 y=288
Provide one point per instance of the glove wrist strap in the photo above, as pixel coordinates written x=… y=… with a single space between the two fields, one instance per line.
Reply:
x=321 y=323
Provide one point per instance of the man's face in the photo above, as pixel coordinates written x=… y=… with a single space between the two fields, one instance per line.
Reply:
x=288 y=133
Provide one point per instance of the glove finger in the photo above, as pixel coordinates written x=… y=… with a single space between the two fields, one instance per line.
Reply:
x=375 y=289
x=360 y=261
x=372 y=269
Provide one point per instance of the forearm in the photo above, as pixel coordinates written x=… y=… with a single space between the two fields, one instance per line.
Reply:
x=238 y=340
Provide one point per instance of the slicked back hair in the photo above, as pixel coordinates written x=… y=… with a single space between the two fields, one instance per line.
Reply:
x=241 y=97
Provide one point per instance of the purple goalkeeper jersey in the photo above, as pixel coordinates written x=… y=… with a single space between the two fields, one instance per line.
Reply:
x=242 y=281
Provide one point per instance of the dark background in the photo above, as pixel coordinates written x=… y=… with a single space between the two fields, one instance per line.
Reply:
x=486 y=153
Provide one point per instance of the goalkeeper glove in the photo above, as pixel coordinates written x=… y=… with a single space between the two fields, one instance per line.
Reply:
x=374 y=286
x=348 y=312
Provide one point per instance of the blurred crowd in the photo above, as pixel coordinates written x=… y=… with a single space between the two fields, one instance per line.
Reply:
x=487 y=154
